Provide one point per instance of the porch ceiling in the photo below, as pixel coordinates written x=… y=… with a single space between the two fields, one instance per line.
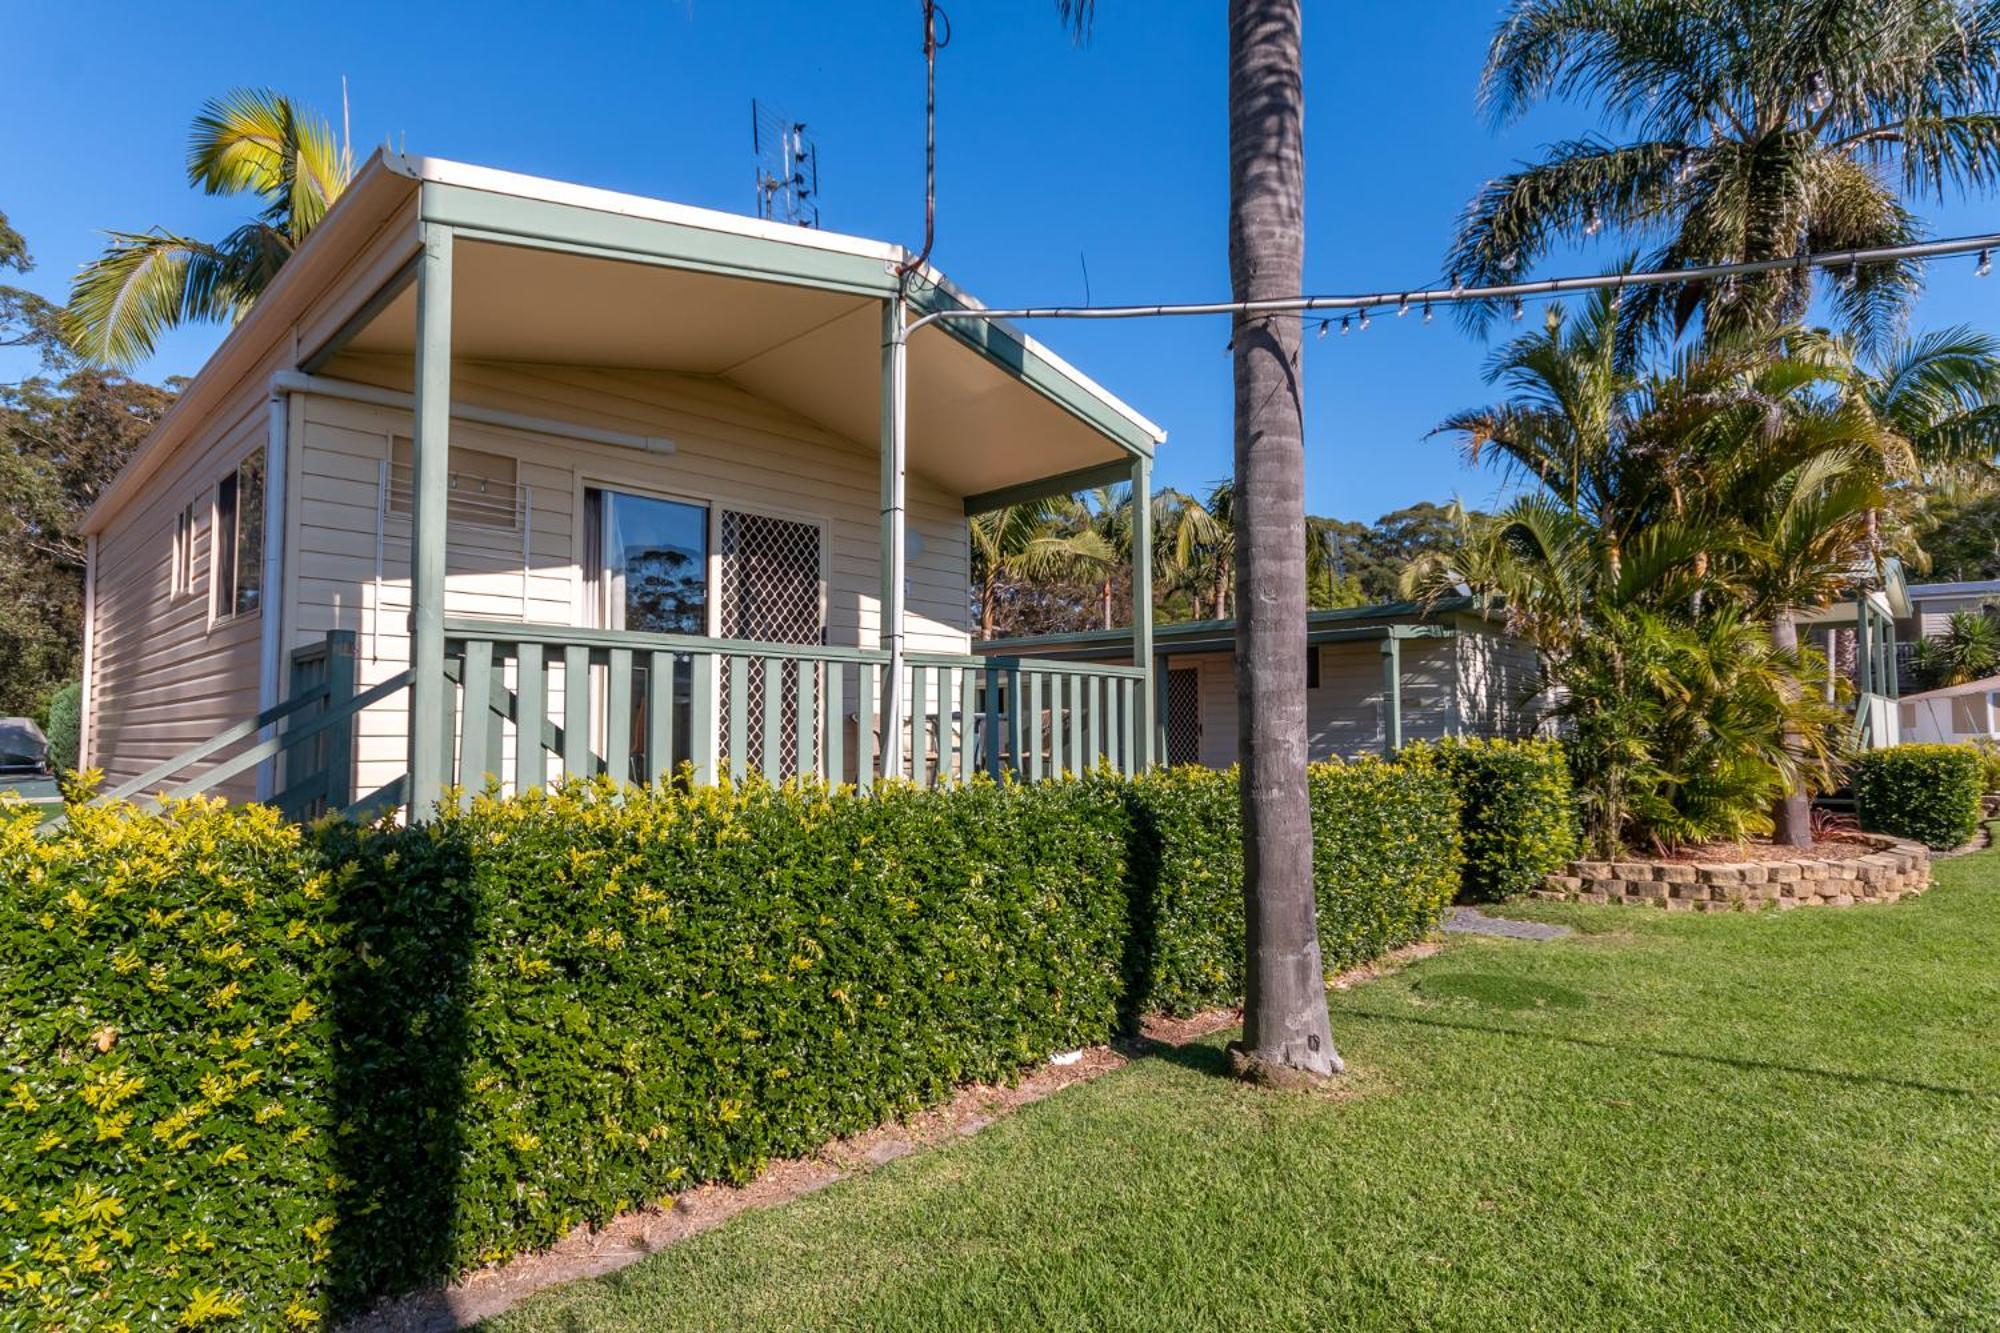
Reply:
x=974 y=426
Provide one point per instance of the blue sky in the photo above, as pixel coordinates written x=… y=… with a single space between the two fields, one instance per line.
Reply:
x=1051 y=157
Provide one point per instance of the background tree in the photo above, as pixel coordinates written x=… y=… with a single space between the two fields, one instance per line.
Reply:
x=250 y=141
x=60 y=443
x=27 y=320
x=1039 y=549
x=1746 y=131
x=1376 y=554
x=1960 y=532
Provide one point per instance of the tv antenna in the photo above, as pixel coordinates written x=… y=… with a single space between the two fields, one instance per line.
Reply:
x=787 y=167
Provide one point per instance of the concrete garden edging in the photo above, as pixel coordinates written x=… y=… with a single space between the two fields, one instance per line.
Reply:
x=1895 y=869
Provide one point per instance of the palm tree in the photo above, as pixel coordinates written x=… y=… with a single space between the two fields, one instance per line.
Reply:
x=1285 y=1026
x=1197 y=555
x=1037 y=541
x=1572 y=388
x=1735 y=483
x=1756 y=130
x=1968 y=650
x=252 y=141
x=1806 y=539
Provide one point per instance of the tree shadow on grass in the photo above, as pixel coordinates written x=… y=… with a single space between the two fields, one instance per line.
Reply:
x=1668 y=1053
x=1200 y=1056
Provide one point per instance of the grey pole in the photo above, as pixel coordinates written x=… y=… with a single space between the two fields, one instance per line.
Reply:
x=430 y=467
x=894 y=448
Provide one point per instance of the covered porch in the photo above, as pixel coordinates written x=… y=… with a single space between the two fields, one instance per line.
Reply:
x=1858 y=639
x=711 y=630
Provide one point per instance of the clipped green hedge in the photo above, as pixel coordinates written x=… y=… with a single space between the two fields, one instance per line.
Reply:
x=167 y=1109
x=1926 y=792
x=256 y=1075
x=1518 y=810
x=1385 y=860
x=65 y=726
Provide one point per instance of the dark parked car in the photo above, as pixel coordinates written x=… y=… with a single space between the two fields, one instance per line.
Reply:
x=24 y=751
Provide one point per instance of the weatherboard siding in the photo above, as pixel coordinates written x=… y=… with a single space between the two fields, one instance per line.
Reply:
x=730 y=449
x=168 y=672
x=1344 y=716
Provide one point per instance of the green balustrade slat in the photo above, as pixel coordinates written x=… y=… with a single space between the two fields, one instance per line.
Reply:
x=831 y=752
x=919 y=728
x=618 y=714
x=1077 y=725
x=1093 y=694
x=576 y=754
x=531 y=714
x=805 y=675
x=968 y=734
x=701 y=727
x=477 y=762
x=773 y=682
x=739 y=716
x=659 y=716
x=1034 y=725
x=865 y=751
x=1127 y=759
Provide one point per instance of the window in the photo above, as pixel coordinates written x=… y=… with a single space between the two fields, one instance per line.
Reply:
x=1312 y=666
x=647 y=561
x=1968 y=715
x=180 y=576
x=481 y=488
x=238 y=544
x=1907 y=714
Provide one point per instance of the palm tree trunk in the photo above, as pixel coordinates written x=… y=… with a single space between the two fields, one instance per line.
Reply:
x=1104 y=591
x=986 y=608
x=1285 y=1027
x=1791 y=814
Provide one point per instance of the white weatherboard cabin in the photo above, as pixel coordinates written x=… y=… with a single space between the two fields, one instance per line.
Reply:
x=505 y=478
x=1376 y=676
x=1954 y=714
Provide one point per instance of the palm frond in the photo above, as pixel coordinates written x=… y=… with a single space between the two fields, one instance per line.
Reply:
x=143 y=284
x=257 y=141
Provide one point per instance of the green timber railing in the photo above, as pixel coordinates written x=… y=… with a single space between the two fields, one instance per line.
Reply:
x=312 y=731
x=533 y=701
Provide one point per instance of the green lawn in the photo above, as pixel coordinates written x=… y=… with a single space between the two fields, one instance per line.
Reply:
x=1772 y=1120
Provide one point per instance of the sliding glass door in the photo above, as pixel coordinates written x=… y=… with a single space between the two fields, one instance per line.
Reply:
x=647 y=570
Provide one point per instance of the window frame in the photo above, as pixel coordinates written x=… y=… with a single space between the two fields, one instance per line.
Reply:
x=227 y=565
x=590 y=570
x=180 y=572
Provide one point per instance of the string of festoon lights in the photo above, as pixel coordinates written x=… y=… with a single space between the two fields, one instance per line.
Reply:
x=1356 y=312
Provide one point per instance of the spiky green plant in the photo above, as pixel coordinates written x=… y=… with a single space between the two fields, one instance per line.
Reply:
x=249 y=141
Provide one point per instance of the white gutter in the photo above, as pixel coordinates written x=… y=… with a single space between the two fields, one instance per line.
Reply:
x=293 y=381
x=83 y=727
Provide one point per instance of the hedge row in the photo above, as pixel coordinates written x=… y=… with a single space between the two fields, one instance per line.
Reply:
x=258 y=1074
x=1518 y=811
x=1926 y=792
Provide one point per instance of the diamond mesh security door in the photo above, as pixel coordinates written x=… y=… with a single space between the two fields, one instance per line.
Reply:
x=1184 y=716
x=769 y=592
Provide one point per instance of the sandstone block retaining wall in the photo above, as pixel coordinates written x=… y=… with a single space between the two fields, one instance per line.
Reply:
x=1894 y=869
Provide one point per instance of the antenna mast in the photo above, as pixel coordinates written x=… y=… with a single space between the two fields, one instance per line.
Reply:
x=787 y=167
